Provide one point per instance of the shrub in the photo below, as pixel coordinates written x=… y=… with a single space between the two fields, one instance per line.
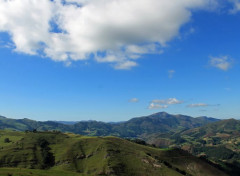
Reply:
x=7 y=140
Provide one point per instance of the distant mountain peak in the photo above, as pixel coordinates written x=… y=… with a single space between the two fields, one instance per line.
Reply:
x=162 y=113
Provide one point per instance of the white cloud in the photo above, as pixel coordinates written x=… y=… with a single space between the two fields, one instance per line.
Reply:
x=162 y=104
x=169 y=101
x=27 y=21
x=201 y=105
x=197 y=105
x=68 y=64
x=125 y=65
x=114 y=31
x=236 y=6
x=171 y=73
x=134 y=100
x=157 y=106
x=223 y=63
x=6 y=44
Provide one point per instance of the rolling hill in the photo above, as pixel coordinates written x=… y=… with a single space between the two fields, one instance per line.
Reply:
x=65 y=154
x=218 y=142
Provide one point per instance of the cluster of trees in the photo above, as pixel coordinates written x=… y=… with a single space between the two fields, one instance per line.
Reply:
x=178 y=139
x=7 y=140
x=140 y=141
x=176 y=169
x=221 y=152
x=48 y=159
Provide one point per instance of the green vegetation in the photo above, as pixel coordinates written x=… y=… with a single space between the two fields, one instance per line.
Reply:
x=34 y=172
x=63 y=154
x=6 y=140
x=218 y=153
x=218 y=142
x=136 y=127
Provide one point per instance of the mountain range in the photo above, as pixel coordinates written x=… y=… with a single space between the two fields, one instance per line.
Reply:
x=136 y=127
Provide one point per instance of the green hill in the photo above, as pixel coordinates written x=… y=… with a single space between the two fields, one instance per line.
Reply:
x=55 y=153
x=218 y=142
x=136 y=127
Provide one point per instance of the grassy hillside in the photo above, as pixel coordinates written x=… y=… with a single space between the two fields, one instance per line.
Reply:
x=136 y=127
x=218 y=142
x=49 y=153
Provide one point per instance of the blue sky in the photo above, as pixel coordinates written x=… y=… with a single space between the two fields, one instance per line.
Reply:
x=55 y=72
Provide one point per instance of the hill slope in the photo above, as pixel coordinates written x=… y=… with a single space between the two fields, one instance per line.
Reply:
x=160 y=122
x=218 y=142
x=79 y=155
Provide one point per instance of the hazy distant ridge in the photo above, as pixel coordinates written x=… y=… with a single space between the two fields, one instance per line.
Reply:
x=155 y=123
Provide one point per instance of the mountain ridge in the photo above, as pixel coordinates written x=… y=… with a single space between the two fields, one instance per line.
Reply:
x=135 y=127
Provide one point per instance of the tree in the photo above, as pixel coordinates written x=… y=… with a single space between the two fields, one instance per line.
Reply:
x=48 y=159
x=7 y=140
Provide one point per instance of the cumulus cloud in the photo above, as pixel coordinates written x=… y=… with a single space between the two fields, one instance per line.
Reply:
x=134 y=100
x=236 y=6
x=162 y=104
x=113 y=31
x=223 y=63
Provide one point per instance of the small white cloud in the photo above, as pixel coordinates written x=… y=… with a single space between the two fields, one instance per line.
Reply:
x=163 y=104
x=197 y=105
x=141 y=49
x=68 y=64
x=134 y=100
x=223 y=63
x=236 y=6
x=202 y=105
x=157 y=106
x=6 y=45
x=120 y=61
x=169 y=101
x=126 y=65
x=171 y=73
